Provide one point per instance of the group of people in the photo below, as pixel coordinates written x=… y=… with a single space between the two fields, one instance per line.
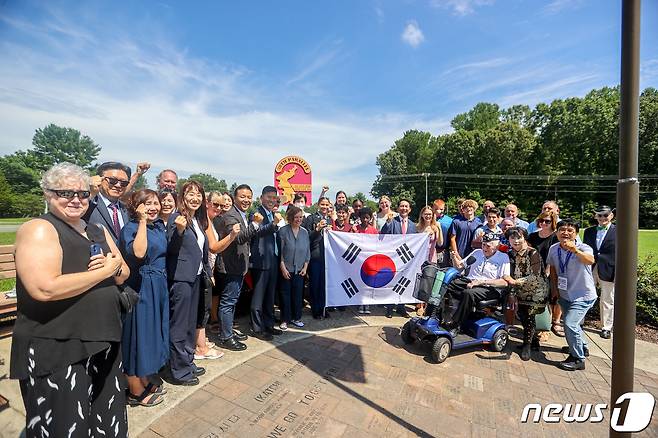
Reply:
x=538 y=263
x=115 y=283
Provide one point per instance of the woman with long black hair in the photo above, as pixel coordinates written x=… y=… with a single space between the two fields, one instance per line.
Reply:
x=189 y=277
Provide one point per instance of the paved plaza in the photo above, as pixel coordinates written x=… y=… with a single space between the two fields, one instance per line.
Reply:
x=352 y=376
x=363 y=381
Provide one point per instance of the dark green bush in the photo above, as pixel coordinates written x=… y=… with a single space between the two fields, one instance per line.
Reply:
x=647 y=291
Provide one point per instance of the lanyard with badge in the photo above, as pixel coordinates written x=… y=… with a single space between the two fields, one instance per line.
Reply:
x=562 y=278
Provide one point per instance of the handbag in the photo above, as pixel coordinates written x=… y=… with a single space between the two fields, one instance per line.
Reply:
x=128 y=297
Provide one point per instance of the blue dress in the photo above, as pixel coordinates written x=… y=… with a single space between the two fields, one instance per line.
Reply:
x=145 y=340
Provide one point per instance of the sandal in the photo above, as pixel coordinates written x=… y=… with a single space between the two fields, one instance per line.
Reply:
x=156 y=389
x=557 y=329
x=210 y=355
x=153 y=399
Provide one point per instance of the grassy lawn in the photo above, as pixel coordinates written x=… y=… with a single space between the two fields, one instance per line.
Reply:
x=7 y=284
x=7 y=238
x=648 y=244
x=14 y=220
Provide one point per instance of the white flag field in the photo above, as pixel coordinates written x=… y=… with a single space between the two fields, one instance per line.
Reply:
x=365 y=269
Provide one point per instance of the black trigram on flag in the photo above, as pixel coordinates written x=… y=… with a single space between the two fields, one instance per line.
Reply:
x=351 y=253
x=349 y=287
x=405 y=253
x=401 y=285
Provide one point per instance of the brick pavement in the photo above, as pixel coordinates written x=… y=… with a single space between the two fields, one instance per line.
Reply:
x=363 y=381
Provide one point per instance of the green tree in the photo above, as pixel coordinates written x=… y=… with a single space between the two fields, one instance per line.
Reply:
x=6 y=196
x=141 y=183
x=209 y=182
x=483 y=116
x=21 y=177
x=55 y=144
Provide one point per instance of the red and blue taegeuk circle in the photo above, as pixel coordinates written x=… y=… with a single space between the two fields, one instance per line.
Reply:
x=377 y=270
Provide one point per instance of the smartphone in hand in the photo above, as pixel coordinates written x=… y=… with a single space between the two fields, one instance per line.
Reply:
x=95 y=249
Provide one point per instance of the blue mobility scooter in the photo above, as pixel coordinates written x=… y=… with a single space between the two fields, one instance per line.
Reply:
x=479 y=329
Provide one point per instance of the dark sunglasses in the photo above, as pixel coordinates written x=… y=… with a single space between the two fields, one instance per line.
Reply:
x=70 y=194
x=115 y=181
x=602 y=214
x=217 y=205
x=545 y=221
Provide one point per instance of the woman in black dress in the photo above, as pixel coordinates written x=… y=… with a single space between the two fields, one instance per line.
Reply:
x=65 y=346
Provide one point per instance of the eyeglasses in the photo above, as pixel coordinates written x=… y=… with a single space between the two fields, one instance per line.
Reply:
x=217 y=205
x=70 y=194
x=602 y=215
x=545 y=221
x=114 y=181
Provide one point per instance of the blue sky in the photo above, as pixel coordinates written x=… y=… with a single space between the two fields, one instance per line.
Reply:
x=229 y=88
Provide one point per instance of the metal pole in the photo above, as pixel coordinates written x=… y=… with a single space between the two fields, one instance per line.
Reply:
x=426 y=175
x=628 y=207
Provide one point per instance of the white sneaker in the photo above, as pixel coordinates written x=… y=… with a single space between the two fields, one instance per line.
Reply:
x=297 y=323
x=283 y=326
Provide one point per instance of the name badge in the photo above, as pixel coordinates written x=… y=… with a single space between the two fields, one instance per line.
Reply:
x=562 y=283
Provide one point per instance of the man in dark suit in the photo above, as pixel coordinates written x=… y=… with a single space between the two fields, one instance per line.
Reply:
x=264 y=263
x=400 y=224
x=235 y=263
x=602 y=239
x=106 y=208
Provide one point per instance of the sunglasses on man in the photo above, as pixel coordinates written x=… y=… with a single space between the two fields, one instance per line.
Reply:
x=70 y=194
x=114 y=181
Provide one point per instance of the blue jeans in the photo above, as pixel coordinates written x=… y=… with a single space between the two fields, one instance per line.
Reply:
x=291 y=298
x=573 y=313
x=227 y=301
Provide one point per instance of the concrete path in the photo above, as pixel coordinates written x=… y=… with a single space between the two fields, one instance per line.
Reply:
x=365 y=409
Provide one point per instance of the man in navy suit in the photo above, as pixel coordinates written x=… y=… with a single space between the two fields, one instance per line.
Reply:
x=400 y=224
x=106 y=208
x=602 y=239
x=264 y=261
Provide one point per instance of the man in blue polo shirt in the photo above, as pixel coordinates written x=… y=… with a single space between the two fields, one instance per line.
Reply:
x=462 y=229
x=571 y=278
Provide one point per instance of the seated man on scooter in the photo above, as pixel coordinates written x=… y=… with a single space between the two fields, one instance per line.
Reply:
x=483 y=280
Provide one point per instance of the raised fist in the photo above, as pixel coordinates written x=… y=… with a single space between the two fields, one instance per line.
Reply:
x=143 y=167
x=389 y=216
x=235 y=230
x=258 y=218
x=277 y=217
x=141 y=212
x=181 y=223
x=325 y=188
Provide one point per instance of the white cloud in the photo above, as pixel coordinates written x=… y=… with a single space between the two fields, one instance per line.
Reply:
x=146 y=99
x=557 y=6
x=320 y=58
x=479 y=65
x=460 y=7
x=567 y=86
x=412 y=34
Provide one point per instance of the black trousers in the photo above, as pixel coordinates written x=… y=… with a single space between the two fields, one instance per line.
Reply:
x=183 y=311
x=205 y=301
x=262 y=301
x=83 y=399
x=467 y=297
x=529 y=324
